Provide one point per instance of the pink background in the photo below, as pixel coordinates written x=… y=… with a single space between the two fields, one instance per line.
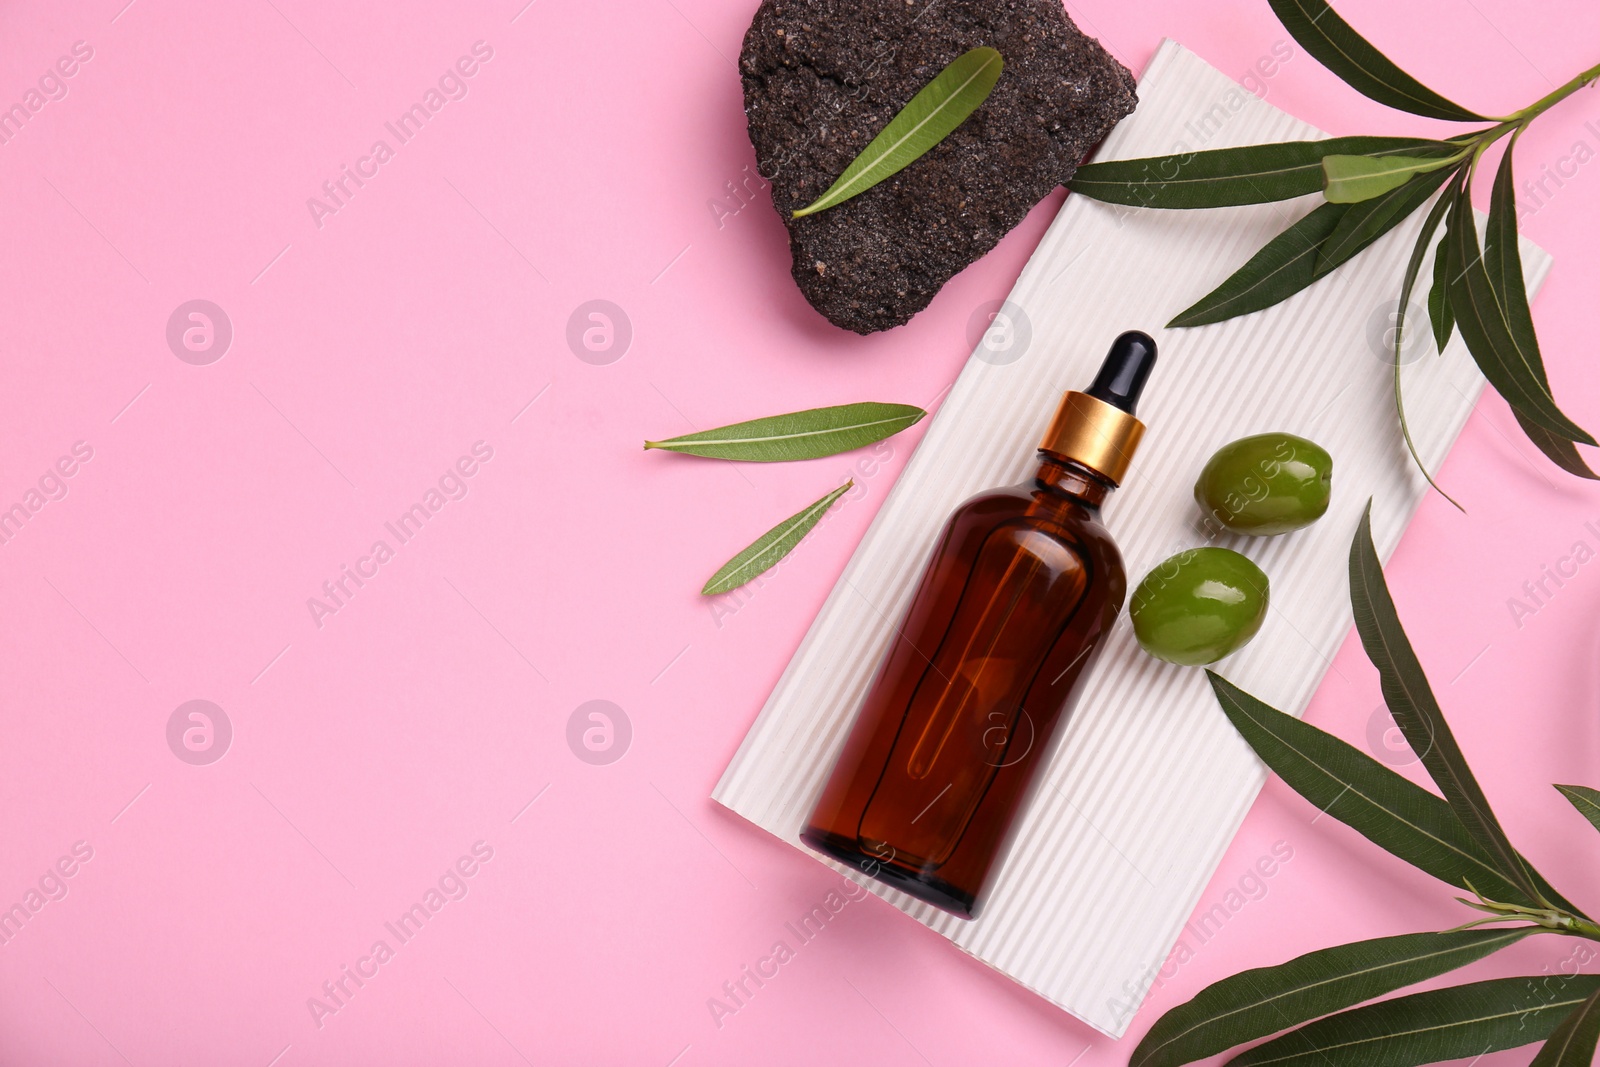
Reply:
x=370 y=753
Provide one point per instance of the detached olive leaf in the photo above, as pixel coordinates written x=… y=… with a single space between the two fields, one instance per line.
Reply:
x=796 y=435
x=765 y=552
x=1411 y=701
x=1388 y=809
x=1573 y=1043
x=1352 y=179
x=799 y=434
x=1331 y=41
x=1380 y=181
x=928 y=118
x=1263 y=1001
x=1441 y=1024
x=1227 y=177
x=1586 y=800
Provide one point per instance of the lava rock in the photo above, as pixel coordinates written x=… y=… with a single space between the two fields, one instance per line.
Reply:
x=823 y=77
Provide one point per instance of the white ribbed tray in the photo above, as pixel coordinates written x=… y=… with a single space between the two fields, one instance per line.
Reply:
x=1149 y=782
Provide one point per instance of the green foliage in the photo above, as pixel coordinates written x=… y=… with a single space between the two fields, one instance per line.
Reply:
x=1332 y=42
x=1255 y=1003
x=1352 y=179
x=1369 y=184
x=796 y=435
x=1586 y=800
x=764 y=552
x=799 y=434
x=1454 y=837
x=1227 y=177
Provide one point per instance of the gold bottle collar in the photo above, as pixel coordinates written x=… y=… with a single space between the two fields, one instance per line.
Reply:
x=1095 y=434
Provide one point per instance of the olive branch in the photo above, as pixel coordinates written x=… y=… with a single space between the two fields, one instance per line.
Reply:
x=1368 y=185
x=1452 y=835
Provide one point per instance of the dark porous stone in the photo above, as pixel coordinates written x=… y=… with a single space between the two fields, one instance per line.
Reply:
x=823 y=77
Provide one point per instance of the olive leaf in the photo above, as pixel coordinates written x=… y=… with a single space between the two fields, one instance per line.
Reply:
x=1416 y=712
x=928 y=118
x=1388 y=809
x=1441 y=1024
x=1439 y=313
x=1284 y=266
x=1331 y=41
x=1506 y=355
x=1265 y=1000
x=1427 y=831
x=1226 y=177
x=799 y=434
x=1502 y=255
x=793 y=436
x=1369 y=220
x=1440 y=210
x=1561 y=451
x=1352 y=179
x=765 y=551
x=1586 y=800
x=1322 y=240
x=1502 y=260
x=1463 y=288
x=1573 y=1043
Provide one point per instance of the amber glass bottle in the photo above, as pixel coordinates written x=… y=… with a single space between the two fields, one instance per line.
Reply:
x=1022 y=587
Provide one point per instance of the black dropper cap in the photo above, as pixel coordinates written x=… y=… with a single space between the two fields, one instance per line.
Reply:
x=1122 y=375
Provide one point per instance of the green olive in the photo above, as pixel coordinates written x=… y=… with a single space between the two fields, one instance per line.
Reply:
x=1198 y=606
x=1267 y=484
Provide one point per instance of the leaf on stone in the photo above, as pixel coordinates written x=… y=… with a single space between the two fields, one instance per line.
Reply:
x=1226 y=177
x=765 y=552
x=1332 y=41
x=928 y=118
x=798 y=434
